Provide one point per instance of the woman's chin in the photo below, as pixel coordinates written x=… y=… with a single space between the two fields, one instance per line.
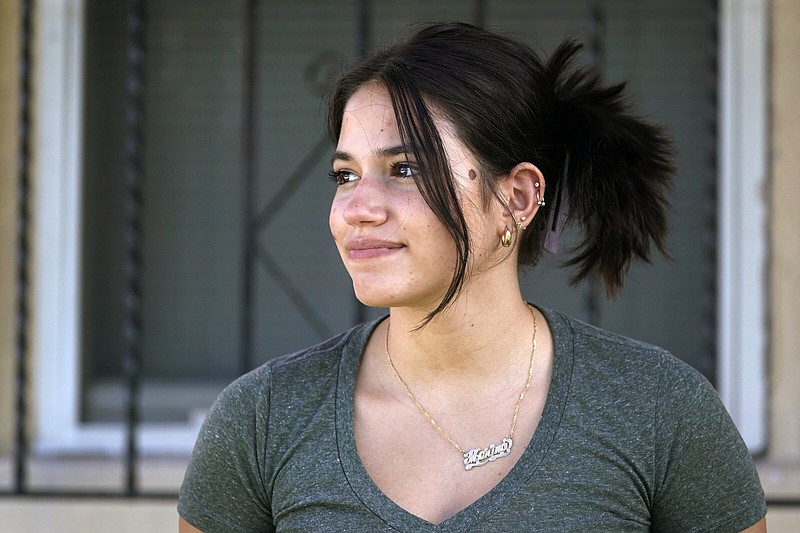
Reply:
x=382 y=298
x=372 y=299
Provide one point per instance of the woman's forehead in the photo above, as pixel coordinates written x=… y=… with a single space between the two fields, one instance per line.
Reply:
x=371 y=106
x=371 y=99
x=369 y=117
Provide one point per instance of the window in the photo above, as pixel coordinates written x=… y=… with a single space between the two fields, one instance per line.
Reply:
x=196 y=203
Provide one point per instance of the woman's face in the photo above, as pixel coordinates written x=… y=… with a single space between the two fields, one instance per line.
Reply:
x=396 y=251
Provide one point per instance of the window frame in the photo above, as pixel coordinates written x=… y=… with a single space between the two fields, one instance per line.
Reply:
x=56 y=315
x=742 y=217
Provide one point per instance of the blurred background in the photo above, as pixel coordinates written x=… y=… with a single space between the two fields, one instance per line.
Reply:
x=164 y=203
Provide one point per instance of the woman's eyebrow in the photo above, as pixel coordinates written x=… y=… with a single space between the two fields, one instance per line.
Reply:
x=390 y=151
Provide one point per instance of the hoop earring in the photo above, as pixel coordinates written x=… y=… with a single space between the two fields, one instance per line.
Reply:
x=505 y=238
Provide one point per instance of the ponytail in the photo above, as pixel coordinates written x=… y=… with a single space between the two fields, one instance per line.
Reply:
x=616 y=171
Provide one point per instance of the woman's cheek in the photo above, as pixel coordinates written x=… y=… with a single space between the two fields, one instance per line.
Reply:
x=333 y=217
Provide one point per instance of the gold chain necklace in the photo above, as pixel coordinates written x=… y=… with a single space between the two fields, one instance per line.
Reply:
x=475 y=456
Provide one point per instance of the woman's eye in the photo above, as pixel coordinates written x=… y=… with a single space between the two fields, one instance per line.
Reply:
x=405 y=170
x=340 y=177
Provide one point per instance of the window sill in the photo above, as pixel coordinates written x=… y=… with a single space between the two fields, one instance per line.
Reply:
x=96 y=474
x=781 y=481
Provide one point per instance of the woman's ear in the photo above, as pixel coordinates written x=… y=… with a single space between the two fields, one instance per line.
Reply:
x=524 y=187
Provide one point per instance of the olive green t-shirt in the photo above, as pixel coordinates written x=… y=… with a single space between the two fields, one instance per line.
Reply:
x=631 y=439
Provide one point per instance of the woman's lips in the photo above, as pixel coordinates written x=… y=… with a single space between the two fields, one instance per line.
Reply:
x=371 y=248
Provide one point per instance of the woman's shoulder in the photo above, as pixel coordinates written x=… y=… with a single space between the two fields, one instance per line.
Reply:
x=640 y=402
x=627 y=371
x=592 y=345
x=324 y=353
x=299 y=370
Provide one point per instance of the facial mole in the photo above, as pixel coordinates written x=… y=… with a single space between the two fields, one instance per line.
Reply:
x=472 y=174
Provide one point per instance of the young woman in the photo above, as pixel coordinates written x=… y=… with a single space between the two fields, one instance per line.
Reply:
x=460 y=154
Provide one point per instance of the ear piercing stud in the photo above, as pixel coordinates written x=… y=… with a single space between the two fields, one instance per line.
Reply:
x=539 y=199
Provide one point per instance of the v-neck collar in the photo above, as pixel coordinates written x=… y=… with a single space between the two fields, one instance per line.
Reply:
x=491 y=502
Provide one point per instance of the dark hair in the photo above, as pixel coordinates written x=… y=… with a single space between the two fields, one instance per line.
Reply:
x=509 y=106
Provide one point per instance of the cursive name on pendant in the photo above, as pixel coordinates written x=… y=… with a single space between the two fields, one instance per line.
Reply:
x=479 y=457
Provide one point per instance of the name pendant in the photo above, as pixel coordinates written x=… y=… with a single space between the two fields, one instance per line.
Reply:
x=479 y=457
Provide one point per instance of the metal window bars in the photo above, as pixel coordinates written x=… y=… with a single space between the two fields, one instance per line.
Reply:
x=134 y=176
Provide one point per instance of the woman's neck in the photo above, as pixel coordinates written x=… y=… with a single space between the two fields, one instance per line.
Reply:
x=473 y=338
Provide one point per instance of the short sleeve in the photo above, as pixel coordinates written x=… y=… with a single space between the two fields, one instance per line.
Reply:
x=706 y=480
x=223 y=489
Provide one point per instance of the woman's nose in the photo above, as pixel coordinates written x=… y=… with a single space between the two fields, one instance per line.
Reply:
x=366 y=203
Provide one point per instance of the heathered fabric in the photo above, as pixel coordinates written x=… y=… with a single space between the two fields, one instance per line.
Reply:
x=631 y=439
